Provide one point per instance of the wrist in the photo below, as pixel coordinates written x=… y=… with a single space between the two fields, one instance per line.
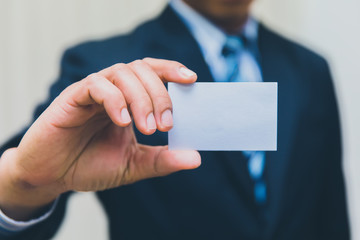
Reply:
x=19 y=199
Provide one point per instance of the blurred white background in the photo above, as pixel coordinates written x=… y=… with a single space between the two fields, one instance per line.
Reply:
x=35 y=33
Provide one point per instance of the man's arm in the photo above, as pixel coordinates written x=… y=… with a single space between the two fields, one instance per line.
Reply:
x=84 y=141
x=71 y=70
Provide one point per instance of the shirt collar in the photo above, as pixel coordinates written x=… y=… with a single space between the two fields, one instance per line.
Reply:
x=210 y=38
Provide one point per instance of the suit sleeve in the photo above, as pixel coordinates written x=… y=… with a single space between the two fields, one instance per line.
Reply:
x=334 y=223
x=72 y=70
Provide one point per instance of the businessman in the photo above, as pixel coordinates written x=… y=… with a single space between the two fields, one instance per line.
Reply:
x=83 y=137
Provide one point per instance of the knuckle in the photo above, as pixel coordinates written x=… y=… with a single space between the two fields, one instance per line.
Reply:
x=147 y=59
x=176 y=64
x=92 y=79
x=142 y=102
x=163 y=99
x=119 y=99
x=138 y=64
x=151 y=61
x=120 y=67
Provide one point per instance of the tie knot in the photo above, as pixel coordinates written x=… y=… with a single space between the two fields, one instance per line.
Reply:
x=232 y=45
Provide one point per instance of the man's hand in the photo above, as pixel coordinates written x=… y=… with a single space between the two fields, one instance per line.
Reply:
x=84 y=141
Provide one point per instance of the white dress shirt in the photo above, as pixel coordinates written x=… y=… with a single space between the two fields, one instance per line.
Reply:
x=211 y=41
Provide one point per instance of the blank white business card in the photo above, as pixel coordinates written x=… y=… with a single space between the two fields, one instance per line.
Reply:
x=209 y=116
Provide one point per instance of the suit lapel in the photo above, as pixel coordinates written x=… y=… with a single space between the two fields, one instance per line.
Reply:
x=276 y=67
x=178 y=44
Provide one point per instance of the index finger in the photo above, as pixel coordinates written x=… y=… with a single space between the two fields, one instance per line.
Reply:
x=167 y=71
x=171 y=71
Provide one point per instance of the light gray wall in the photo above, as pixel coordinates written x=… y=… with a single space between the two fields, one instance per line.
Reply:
x=35 y=33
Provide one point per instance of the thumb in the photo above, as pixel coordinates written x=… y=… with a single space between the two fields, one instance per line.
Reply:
x=157 y=161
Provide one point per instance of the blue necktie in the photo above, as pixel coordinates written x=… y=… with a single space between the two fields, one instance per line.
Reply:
x=237 y=64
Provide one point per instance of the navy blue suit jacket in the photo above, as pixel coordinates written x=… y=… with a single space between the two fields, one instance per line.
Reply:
x=306 y=198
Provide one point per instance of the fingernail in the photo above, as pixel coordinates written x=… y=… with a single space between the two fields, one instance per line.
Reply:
x=125 y=116
x=151 y=124
x=166 y=118
x=186 y=72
